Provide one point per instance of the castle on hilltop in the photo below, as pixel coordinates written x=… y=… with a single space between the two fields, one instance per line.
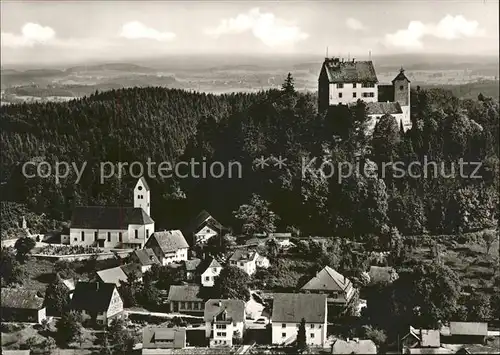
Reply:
x=346 y=82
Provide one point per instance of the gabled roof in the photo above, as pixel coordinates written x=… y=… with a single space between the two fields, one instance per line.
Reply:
x=234 y=309
x=243 y=255
x=98 y=217
x=349 y=71
x=20 y=298
x=292 y=307
x=70 y=284
x=161 y=334
x=382 y=108
x=354 y=347
x=132 y=270
x=170 y=241
x=114 y=275
x=184 y=293
x=202 y=219
x=328 y=280
x=468 y=328
x=401 y=76
x=144 y=183
x=92 y=296
x=146 y=257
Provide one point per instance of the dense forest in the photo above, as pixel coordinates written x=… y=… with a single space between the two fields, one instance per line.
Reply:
x=173 y=125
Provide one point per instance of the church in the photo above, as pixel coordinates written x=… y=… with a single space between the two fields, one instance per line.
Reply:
x=115 y=227
x=346 y=82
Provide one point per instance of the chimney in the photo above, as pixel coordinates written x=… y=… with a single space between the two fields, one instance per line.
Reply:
x=219 y=303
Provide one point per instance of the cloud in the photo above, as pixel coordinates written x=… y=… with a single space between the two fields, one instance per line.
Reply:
x=272 y=31
x=354 y=24
x=449 y=28
x=31 y=34
x=137 y=30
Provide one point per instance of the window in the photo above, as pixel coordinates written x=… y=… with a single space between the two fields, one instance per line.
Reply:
x=242 y=264
x=139 y=188
x=340 y=85
x=340 y=95
x=109 y=236
x=312 y=326
x=368 y=85
x=283 y=335
x=220 y=326
x=207 y=278
x=214 y=269
x=83 y=236
x=147 y=233
x=401 y=88
x=136 y=234
x=312 y=335
x=354 y=85
x=368 y=94
x=120 y=237
x=183 y=305
x=354 y=95
x=283 y=325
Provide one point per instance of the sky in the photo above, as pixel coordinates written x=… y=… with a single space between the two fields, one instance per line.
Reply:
x=79 y=31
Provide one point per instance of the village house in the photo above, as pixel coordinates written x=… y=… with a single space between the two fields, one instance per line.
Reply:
x=224 y=321
x=346 y=82
x=337 y=287
x=185 y=299
x=420 y=338
x=465 y=333
x=353 y=346
x=212 y=271
x=98 y=302
x=146 y=258
x=245 y=260
x=155 y=338
x=21 y=305
x=191 y=267
x=169 y=246
x=262 y=262
x=202 y=228
x=288 y=311
x=114 y=227
x=114 y=275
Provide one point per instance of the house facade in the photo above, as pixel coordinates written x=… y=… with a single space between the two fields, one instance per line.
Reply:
x=155 y=338
x=225 y=320
x=97 y=302
x=146 y=258
x=244 y=260
x=21 y=305
x=169 y=246
x=185 y=299
x=114 y=227
x=211 y=272
x=288 y=311
x=346 y=82
x=202 y=228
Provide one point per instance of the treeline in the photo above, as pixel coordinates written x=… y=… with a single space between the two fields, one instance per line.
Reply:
x=172 y=125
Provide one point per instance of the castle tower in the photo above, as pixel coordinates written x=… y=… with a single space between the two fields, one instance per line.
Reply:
x=142 y=196
x=401 y=85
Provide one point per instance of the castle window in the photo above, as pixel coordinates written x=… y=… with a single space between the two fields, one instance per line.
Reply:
x=136 y=234
x=354 y=94
x=340 y=95
x=354 y=85
x=401 y=87
x=95 y=235
x=340 y=85
x=139 y=188
x=147 y=233
x=83 y=236
x=109 y=236
x=368 y=85
x=120 y=237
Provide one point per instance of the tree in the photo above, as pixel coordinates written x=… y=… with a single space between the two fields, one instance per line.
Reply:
x=57 y=296
x=69 y=327
x=120 y=339
x=232 y=283
x=10 y=269
x=23 y=246
x=288 y=86
x=478 y=308
x=378 y=336
x=48 y=345
x=301 y=336
x=149 y=296
x=129 y=291
x=489 y=238
x=256 y=217
x=386 y=139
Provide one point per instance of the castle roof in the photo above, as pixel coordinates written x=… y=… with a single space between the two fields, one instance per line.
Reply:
x=382 y=108
x=349 y=71
x=401 y=76
x=97 y=217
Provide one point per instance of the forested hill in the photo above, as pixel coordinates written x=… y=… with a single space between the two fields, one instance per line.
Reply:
x=172 y=125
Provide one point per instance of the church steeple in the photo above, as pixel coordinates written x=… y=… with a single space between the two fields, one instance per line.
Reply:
x=142 y=198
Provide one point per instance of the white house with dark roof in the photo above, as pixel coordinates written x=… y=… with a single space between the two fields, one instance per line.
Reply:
x=212 y=271
x=169 y=246
x=346 y=82
x=146 y=258
x=245 y=260
x=114 y=227
x=225 y=320
x=156 y=338
x=185 y=299
x=288 y=311
x=202 y=228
